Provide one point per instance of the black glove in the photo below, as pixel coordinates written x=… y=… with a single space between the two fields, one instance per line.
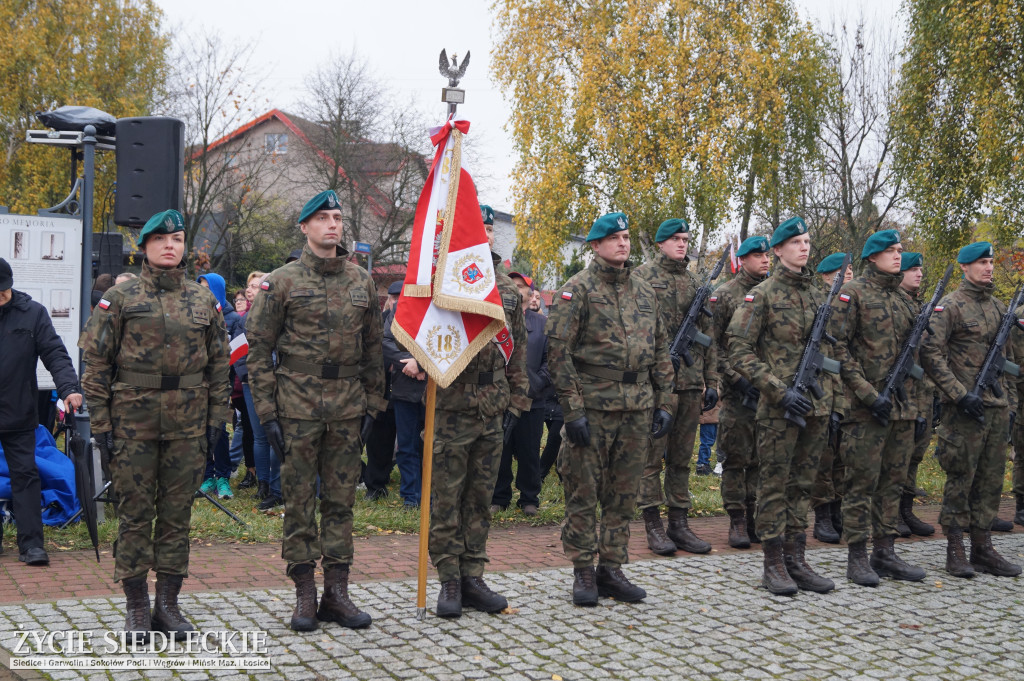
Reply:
x=660 y=424
x=796 y=402
x=508 y=424
x=213 y=434
x=365 y=427
x=936 y=411
x=675 y=362
x=275 y=437
x=881 y=409
x=578 y=432
x=710 y=399
x=920 y=428
x=972 y=406
x=105 y=441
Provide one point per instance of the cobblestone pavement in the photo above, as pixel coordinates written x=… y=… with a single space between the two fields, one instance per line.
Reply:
x=704 y=618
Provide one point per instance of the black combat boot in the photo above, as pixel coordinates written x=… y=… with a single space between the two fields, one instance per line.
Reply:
x=858 y=570
x=681 y=535
x=886 y=563
x=584 y=586
x=835 y=509
x=913 y=523
x=657 y=540
x=799 y=570
x=476 y=594
x=1000 y=525
x=262 y=489
x=751 y=522
x=984 y=557
x=336 y=606
x=738 y=538
x=136 y=621
x=304 y=615
x=956 y=559
x=166 y=615
x=449 y=599
x=823 y=530
x=611 y=583
x=1019 y=517
x=776 y=578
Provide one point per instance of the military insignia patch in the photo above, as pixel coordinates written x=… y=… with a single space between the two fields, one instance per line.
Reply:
x=265 y=286
x=749 y=297
x=218 y=307
x=103 y=304
x=169 y=223
x=713 y=299
x=939 y=308
x=845 y=297
x=566 y=295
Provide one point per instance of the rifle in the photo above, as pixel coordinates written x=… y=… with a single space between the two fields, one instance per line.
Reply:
x=996 y=364
x=812 y=362
x=904 y=365
x=688 y=333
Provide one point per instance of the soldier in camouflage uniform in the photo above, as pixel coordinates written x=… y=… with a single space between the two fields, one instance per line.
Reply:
x=674 y=286
x=1017 y=429
x=871 y=323
x=156 y=380
x=826 y=493
x=972 y=454
x=321 y=317
x=483 y=403
x=766 y=337
x=609 y=360
x=913 y=272
x=737 y=447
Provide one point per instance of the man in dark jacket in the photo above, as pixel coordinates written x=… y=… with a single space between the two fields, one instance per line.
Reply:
x=380 y=447
x=27 y=335
x=408 y=381
x=523 y=442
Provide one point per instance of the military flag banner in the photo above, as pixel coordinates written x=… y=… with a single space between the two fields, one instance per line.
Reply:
x=450 y=306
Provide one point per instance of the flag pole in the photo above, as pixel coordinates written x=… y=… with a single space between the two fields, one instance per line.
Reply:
x=428 y=467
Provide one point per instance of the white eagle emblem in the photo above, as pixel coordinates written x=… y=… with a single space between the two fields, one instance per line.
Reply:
x=622 y=223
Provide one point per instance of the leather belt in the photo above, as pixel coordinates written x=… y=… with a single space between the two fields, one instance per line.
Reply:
x=613 y=374
x=476 y=378
x=137 y=380
x=320 y=370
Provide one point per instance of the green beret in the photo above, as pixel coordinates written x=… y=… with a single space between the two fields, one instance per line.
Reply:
x=325 y=200
x=670 y=227
x=831 y=263
x=787 y=230
x=487 y=214
x=910 y=259
x=971 y=252
x=608 y=224
x=167 y=222
x=754 y=244
x=879 y=241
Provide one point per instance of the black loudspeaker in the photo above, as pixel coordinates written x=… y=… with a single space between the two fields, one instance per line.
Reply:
x=109 y=249
x=150 y=154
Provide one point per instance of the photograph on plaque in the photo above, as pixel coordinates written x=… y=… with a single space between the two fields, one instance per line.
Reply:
x=53 y=246
x=19 y=245
x=60 y=302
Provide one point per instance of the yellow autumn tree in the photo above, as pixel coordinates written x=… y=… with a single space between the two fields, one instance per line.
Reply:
x=108 y=54
x=657 y=108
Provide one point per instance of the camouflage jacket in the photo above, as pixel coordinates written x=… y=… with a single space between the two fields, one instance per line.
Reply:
x=1018 y=353
x=511 y=382
x=924 y=388
x=871 y=323
x=767 y=334
x=963 y=325
x=322 y=311
x=723 y=302
x=604 y=317
x=675 y=289
x=159 y=325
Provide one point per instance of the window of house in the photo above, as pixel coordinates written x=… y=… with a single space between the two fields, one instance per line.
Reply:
x=231 y=160
x=277 y=142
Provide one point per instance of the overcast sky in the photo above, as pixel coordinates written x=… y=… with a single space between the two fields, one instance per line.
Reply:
x=401 y=39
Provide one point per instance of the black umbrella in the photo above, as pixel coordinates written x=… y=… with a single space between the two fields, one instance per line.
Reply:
x=83 y=478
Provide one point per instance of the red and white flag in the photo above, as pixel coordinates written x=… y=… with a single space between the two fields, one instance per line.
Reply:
x=734 y=261
x=239 y=348
x=450 y=307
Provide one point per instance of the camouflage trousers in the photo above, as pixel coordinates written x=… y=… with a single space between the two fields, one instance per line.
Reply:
x=973 y=455
x=156 y=481
x=828 y=483
x=606 y=472
x=876 y=459
x=676 y=451
x=467 y=456
x=789 y=458
x=916 y=457
x=331 y=451
x=1018 y=456
x=738 y=447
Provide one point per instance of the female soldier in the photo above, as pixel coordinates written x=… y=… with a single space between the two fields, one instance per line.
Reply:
x=156 y=380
